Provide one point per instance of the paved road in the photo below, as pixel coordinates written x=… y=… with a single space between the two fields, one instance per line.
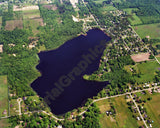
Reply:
x=139 y=111
x=19 y=104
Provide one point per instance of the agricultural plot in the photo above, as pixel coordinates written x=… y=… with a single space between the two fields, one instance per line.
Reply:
x=12 y=24
x=32 y=19
x=123 y=117
x=3 y=96
x=30 y=14
x=151 y=30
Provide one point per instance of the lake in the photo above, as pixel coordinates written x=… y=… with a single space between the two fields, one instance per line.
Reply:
x=61 y=83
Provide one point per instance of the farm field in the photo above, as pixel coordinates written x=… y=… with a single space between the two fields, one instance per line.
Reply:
x=29 y=14
x=3 y=96
x=123 y=116
x=12 y=24
x=151 y=30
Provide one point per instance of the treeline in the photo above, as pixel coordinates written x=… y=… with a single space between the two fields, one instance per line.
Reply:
x=7 y=15
x=18 y=61
x=35 y=120
x=147 y=10
x=59 y=25
x=90 y=119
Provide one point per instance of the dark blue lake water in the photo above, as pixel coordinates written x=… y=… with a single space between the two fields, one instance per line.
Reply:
x=62 y=85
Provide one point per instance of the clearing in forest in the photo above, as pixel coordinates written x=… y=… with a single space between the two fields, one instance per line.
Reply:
x=12 y=24
x=140 y=57
x=150 y=30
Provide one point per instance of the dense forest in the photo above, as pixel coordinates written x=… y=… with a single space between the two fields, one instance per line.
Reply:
x=59 y=25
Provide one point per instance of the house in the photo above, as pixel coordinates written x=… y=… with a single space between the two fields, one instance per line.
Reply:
x=138 y=118
x=150 y=125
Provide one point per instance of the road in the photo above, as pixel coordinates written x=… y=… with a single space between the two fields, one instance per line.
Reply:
x=139 y=111
x=19 y=104
x=117 y=96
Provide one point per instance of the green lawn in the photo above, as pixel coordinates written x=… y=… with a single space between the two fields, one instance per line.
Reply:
x=3 y=96
x=123 y=117
x=152 y=30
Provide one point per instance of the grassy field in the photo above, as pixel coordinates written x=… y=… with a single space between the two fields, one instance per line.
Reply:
x=152 y=30
x=108 y=8
x=134 y=19
x=3 y=96
x=123 y=117
x=152 y=107
x=31 y=14
x=12 y=24
x=4 y=123
x=146 y=70
x=33 y=24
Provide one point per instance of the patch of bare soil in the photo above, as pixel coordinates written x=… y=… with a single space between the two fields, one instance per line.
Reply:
x=140 y=57
x=50 y=7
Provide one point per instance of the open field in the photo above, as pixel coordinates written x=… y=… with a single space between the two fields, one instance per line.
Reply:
x=108 y=8
x=146 y=71
x=152 y=30
x=4 y=123
x=134 y=19
x=152 y=107
x=140 y=57
x=30 y=14
x=12 y=24
x=33 y=23
x=50 y=7
x=123 y=117
x=3 y=96
x=34 y=7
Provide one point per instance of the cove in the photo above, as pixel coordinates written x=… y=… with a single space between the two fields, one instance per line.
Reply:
x=61 y=83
